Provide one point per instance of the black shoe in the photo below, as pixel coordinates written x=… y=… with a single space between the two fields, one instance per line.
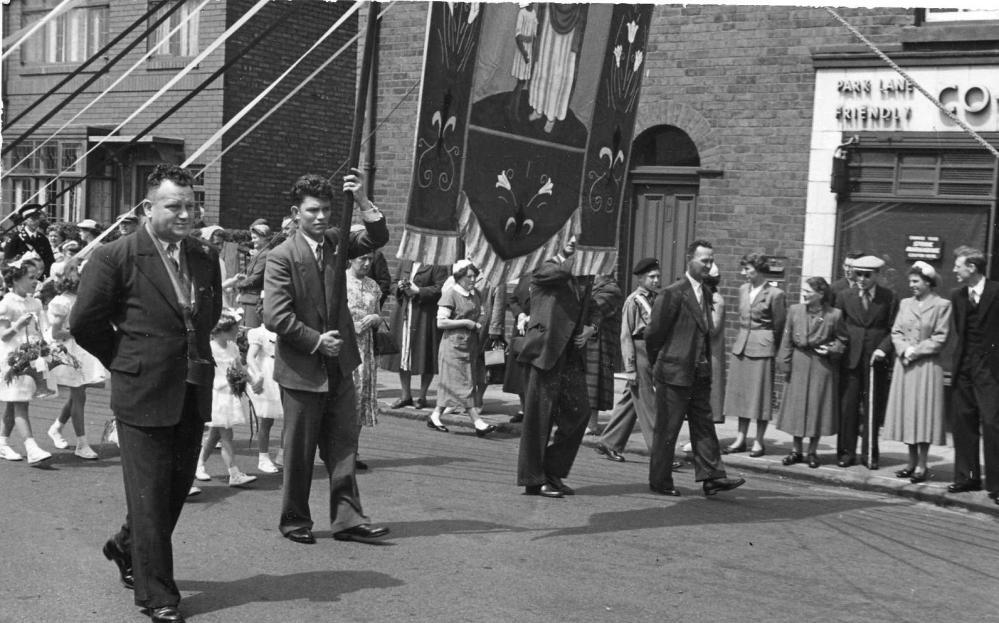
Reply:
x=360 y=465
x=441 y=428
x=482 y=432
x=402 y=402
x=734 y=449
x=517 y=419
x=792 y=458
x=676 y=465
x=115 y=554
x=918 y=478
x=846 y=460
x=872 y=465
x=557 y=484
x=610 y=453
x=301 y=535
x=964 y=487
x=717 y=485
x=670 y=491
x=165 y=614
x=905 y=472
x=421 y=403
x=364 y=533
x=758 y=453
x=994 y=495
x=545 y=491
x=813 y=461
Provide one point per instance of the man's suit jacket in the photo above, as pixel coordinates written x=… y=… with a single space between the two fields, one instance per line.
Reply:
x=676 y=333
x=300 y=305
x=868 y=330
x=840 y=284
x=988 y=319
x=20 y=242
x=761 y=321
x=127 y=315
x=558 y=308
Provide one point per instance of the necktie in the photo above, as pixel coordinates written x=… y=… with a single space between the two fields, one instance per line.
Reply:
x=865 y=299
x=974 y=297
x=172 y=253
x=319 y=255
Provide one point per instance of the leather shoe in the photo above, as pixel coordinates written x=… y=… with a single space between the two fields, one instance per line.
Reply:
x=301 y=535
x=758 y=453
x=670 y=491
x=871 y=465
x=482 y=432
x=994 y=495
x=360 y=465
x=813 y=461
x=610 y=453
x=964 y=487
x=905 y=472
x=402 y=402
x=792 y=458
x=421 y=403
x=517 y=418
x=717 y=485
x=676 y=465
x=165 y=614
x=441 y=428
x=734 y=449
x=545 y=491
x=918 y=478
x=557 y=484
x=846 y=461
x=115 y=554
x=363 y=533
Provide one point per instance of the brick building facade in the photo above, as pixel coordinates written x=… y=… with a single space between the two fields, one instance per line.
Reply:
x=736 y=132
x=310 y=133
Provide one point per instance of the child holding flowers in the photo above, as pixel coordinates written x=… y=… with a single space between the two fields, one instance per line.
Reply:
x=266 y=395
x=229 y=401
x=21 y=319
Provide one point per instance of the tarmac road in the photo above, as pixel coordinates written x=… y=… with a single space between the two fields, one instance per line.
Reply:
x=467 y=546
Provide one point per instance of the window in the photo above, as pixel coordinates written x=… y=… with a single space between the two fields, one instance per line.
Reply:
x=957 y=174
x=961 y=15
x=64 y=196
x=184 y=42
x=71 y=37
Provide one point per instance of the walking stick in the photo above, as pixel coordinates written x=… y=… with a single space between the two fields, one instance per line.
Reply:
x=870 y=414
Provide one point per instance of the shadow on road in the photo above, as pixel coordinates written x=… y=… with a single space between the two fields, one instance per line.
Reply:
x=316 y=586
x=744 y=506
x=437 y=527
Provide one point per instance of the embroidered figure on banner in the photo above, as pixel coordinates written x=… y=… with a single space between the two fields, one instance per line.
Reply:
x=436 y=162
x=623 y=82
x=519 y=225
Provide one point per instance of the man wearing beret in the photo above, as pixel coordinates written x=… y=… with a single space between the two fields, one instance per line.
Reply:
x=30 y=237
x=869 y=312
x=639 y=399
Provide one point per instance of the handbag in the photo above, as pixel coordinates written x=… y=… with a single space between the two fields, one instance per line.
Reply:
x=495 y=358
x=384 y=341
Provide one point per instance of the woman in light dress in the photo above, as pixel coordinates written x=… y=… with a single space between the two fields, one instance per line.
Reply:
x=915 y=413
x=363 y=296
x=266 y=395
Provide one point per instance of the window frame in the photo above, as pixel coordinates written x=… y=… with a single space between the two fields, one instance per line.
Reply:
x=59 y=42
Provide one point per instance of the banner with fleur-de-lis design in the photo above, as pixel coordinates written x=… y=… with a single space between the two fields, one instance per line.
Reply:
x=524 y=133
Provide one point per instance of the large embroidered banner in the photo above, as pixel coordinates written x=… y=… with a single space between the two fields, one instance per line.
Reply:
x=525 y=125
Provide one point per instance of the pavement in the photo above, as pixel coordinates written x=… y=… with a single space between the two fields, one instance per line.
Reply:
x=499 y=407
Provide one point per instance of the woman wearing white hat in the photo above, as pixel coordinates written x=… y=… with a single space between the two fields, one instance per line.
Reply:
x=916 y=399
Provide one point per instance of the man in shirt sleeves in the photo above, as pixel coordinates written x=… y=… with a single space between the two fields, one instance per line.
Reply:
x=315 y=355
x=146 y=306
x=678 y=340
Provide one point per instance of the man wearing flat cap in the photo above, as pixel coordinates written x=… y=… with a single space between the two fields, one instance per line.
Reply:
x=127 y=223
x=868 y=311
x=30 y=237
x=638 y=400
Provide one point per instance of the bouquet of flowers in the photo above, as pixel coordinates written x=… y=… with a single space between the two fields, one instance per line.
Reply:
x=34 y=358
x=238 y=377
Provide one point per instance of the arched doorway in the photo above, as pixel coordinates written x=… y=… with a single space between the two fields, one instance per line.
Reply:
x=665 y=177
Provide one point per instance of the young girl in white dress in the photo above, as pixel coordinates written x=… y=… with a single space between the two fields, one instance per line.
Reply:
x=90 y=372
x=227 y=408
x=21 y=318
x=266 y=395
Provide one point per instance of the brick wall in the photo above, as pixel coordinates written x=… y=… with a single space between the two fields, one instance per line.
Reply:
x=309 y=134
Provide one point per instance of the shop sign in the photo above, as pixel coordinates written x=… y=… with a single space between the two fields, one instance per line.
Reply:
x=923 y=248
x=874 y=103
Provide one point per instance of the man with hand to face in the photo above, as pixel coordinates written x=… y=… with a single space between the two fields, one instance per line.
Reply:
x=316 y=353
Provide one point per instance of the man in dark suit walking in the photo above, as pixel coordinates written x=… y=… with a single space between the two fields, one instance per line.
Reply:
x=146 y=306
x=869 y=312
x=562 y=320
x=678 y=340
x=315 y=355
x=975 y=370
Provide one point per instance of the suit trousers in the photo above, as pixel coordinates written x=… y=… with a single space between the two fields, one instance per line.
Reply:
x=557 y=396
x=673 y=403
x=976 y=408
x=158 y=465
x=851 y=424
x=638 y=400
x=327 y=421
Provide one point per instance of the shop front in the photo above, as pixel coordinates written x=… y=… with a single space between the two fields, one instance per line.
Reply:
x=914 y=185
